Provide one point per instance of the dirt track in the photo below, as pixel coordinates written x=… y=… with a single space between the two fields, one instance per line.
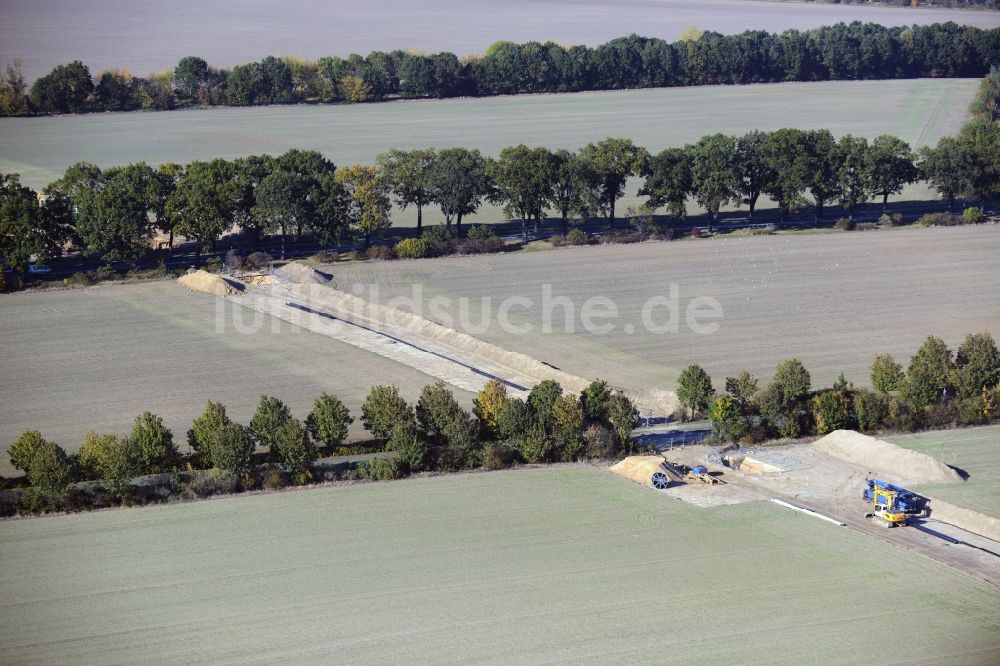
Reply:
x=832 y=487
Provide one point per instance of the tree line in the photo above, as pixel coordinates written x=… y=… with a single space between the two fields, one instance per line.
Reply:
x=114 y=213
x=435 y=434
x=839 y=52
x=939 y=388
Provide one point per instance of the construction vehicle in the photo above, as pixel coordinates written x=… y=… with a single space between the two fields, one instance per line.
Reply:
x=700 y=473
x=886 y=510
x=908 y=502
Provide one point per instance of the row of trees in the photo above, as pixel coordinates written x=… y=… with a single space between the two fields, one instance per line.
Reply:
x=435 y=434
x=938 y=388
x=115 y=212
x=842 y=51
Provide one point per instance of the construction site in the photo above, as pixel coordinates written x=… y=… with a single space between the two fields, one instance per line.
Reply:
x=846 y=478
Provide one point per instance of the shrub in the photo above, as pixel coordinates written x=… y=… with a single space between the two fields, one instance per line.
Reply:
x=380 y=253
x=234 y=260
x=497 y=455
x=350 y=255
x=32 y=501
x=599 y=441
x=381 y=469
x=409 y=446
x=696 y=232
x=973 y=215
x=258 y=261
x=273 y=479
x=727 y=419
x=413 y=248
x=666 y=233
x=940 y=220
x=621 y=238
x=844 y=224
x=865 y=226
x=78 y=280
x=972 y=411
x=871 y=410
x=490 y=245
x=325 y=257
x=558 y=240
x=884 y=220
x=831 y=411
x=205 y=483
x=481 y=232
x=213 y=264
x=538 y=446
x=577 y=237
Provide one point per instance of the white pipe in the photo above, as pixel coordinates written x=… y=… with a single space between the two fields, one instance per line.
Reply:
x=808 y=512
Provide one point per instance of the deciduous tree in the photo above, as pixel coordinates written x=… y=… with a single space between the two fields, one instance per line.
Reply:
x=612 y=162
x=329 y=420
x=694 y=389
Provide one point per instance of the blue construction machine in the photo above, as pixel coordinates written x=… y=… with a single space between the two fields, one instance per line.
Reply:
x=903 y=500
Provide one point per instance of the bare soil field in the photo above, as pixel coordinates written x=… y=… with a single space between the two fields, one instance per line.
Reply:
x=833 y=300
x=919 y=111
x=94 y=359
x=976 y=451
x=535 y=565
x=45 y=33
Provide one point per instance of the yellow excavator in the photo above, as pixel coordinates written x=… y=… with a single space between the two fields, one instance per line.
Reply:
x=886 y=509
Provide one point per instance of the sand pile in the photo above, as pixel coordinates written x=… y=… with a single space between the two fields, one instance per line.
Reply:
x=210 y=283
x=877 y=455
x=257 y=280
x=415 y=328
x=967 y=519
x=296 y=272
x=639 y=468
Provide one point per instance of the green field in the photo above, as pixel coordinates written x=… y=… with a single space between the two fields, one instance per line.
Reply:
x=976 y=451
x=833 y=301
x=77 y=361
x=919 y=111
x=552 y=564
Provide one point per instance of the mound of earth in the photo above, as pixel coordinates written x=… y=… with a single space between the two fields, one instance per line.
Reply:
x=210 y=283
x=296 y=272
x=258 y=280
x=881 y=456
x=638 y=468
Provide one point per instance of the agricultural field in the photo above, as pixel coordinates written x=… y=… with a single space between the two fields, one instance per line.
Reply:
x=975 y=451
x=919 y=111
x=552 y=564
x=112 y=34
x=93 y=360
x=834 y=301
